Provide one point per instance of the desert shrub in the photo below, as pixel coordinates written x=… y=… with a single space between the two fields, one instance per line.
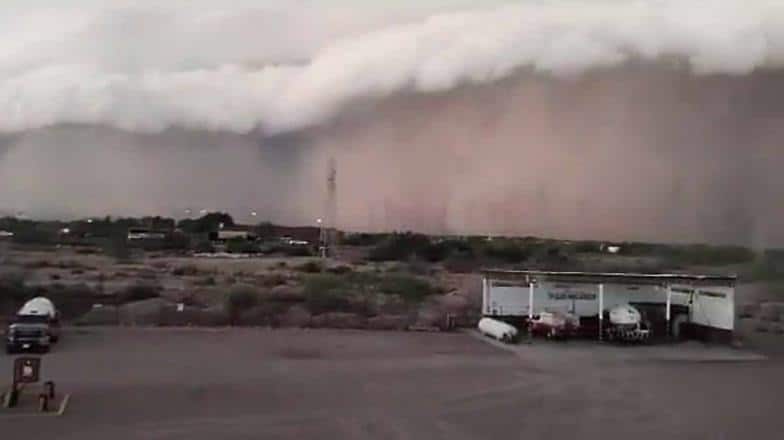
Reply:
x=399 y=247
x=117 y=248
x=553 y=257
x=340 y=270
x=159 y=264
x=281 y=264
x=328 y=301
x=12 y=287
x=34 y=236
x=207 y=281
x=77 y=271
x=86 y=251
x=407 y=287
x=460 y=264
x=507 y=251
x=704 y=255
x=54 y=276
x=139 y=292
x=39 y=264
x=203 y=247
x=435 y=252
x=418 y=267
x=765 y=269
x=326 y=293
x=297 y=251
x=242 y=246
x=185 y=270
x=239 y=299
x=362 y=239
x=310 y=267
x=272 y=280
x=177 y=241
x=585 y=247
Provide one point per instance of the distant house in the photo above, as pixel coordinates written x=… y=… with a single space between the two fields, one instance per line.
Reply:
x=243 y=233
x=299 y=234
x=135 y=234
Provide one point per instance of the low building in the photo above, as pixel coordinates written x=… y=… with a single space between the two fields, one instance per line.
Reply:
x=679 y=305
x=223 y=235
x=135 y=234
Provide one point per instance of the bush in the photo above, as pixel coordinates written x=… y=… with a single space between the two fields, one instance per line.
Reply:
x=765 y=270
x=409 y=288
x=239 y=299
x=186 y=270
x=12 y=287
x=273 y=280
x=460 y=264
x=418 y=267
x=139 y=292
x=207 y=281
x=242 y=246
x=326 y=293
x=585 y=247
x=435 y=252
x=362 y=239
x=297 y=251
x=507 y=251
x=340 y=270
x=399 y=247
x=117 y=248
x=203 y=247
x=34 y=236
x=310 y=267
x=39 y=264
x=703 y=255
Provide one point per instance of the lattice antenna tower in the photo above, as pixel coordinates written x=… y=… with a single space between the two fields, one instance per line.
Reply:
x=329 y=231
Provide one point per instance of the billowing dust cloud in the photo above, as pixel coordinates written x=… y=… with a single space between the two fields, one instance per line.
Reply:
x=651 y=120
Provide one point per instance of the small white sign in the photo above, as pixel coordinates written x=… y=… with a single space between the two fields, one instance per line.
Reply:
x=180 y=307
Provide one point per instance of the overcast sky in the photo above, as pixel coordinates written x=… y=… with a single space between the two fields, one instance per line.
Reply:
x=615 y=119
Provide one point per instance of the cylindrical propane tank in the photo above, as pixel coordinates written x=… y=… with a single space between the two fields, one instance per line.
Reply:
x=497 y=329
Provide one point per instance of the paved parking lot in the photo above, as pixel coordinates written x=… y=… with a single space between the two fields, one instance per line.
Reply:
x=256 y=383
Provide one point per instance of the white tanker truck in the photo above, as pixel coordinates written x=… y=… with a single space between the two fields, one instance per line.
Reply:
x=34 y=327
x=626 y=325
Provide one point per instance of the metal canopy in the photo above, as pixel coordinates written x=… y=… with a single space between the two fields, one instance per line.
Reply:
x=529 y=276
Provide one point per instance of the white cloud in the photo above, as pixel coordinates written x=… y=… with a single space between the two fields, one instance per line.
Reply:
x=279 y=68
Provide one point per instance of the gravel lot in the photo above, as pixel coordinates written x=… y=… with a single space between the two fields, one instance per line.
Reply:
x=300 y=384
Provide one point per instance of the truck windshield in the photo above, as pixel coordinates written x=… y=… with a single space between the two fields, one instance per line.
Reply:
x=31 y=319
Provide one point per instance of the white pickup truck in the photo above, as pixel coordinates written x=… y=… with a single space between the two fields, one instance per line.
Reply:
x=34 y=327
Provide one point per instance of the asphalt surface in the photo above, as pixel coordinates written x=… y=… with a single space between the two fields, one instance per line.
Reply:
x=299 y=384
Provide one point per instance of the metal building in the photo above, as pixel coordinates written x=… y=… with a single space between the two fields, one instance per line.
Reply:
x=679 y=305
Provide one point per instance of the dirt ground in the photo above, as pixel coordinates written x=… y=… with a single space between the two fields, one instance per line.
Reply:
x=302 y=384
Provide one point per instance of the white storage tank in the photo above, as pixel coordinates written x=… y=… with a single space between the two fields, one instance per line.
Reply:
x=497 y=329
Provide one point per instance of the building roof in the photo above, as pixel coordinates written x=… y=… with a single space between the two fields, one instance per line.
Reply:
x=610 y=277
